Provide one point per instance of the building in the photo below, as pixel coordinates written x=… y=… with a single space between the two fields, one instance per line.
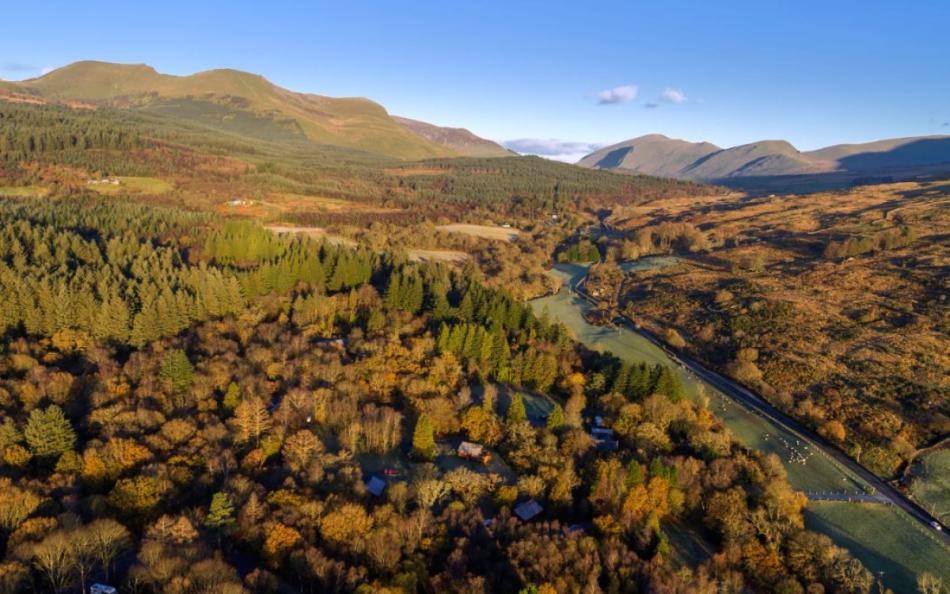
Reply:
x=376 y=485
x=473 y=451
x=528 y=509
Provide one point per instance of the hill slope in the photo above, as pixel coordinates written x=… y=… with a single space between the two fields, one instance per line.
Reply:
x=658 y=155
x=459 y=140
x=239 y=102
x=653 y=154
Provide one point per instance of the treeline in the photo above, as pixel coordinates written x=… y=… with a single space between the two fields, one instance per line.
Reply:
x=582 y=251
x=28 y=130
x=856 y=246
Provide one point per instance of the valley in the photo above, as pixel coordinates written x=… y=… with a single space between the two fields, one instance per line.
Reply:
x=257 y=340
x=817 y=470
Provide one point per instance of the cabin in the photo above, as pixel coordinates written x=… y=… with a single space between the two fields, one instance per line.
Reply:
x=473 y=451
x=102 y=589
x=376 y=486
x=528 y=510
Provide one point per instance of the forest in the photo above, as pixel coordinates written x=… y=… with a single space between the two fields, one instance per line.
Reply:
x=211 y=419
x=57 y=145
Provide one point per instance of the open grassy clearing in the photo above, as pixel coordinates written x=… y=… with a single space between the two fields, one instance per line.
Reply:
x=131 y=184
x=24 y=191
x=883 y=539
x=420 y=255
x=483 y=231
x=314 y=232
x=930 y=483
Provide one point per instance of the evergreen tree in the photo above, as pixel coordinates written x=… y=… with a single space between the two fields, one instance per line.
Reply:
x=49 y=433
x=556 y=418
x=176 y=371
x=423 y=438
x=232 y=397
x=516 y=410
x=220 y=516
x=634 y=474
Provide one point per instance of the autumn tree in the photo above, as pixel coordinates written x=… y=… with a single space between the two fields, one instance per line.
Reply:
x=252 y=419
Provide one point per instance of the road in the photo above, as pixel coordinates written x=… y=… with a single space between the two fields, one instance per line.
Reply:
x=739 y=393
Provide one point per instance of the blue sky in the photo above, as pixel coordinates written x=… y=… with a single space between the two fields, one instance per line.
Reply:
x=556 y=77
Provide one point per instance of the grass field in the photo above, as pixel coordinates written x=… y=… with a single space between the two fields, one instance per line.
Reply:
x=484 y=231
x=24 y=191
x=314 y=232
x=930 y=483
x=419 y=255
x=133 y=185
x=883 y=539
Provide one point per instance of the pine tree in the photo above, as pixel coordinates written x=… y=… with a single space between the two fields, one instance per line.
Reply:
x=220 y=514
x=176 y=371
x=232 y=397
x=634 y=474
x=516 y=410
x=423 y=438
x=48 y=432
x=556 y=418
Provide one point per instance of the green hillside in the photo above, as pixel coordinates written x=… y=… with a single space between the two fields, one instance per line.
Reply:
x=218 y=97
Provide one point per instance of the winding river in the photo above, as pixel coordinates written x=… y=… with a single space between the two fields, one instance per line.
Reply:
x=883 y=537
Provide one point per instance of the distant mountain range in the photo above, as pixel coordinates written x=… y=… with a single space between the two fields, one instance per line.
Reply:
x=250 y=105
x=656 y=154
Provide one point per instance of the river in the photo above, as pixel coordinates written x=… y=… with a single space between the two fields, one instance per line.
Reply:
x=887 y=540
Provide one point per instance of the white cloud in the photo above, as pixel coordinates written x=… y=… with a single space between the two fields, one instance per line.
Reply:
x=621 y=94
x=47 y=70
x=673 y=95
x=559 y=150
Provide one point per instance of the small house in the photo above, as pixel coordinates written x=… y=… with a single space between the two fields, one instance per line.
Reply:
x=473 y=451
x=607 y=445
x=528 y=509
x=102 y=589
x=376 y=485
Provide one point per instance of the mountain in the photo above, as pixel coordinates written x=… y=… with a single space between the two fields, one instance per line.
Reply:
x=241 y=103
x=656 y=154
x=653 y=154
x=459 y=140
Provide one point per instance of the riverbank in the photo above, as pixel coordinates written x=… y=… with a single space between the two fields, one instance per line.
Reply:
x=809 y=469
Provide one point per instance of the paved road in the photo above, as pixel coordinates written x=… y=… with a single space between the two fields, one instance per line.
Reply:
x=851 y=498
x=741 y=394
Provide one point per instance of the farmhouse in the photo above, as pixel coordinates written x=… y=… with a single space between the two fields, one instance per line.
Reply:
x=473 y=451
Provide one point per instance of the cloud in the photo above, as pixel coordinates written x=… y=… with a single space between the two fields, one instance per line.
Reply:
x=946 y=124
x=47 y=69
x=621 y=94
x=651 y=105
x=559 y=150
x=17 y=67
x=673 y=95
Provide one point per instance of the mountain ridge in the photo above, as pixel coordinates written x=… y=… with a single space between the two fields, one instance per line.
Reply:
x=215 y=97
x=656 y=154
